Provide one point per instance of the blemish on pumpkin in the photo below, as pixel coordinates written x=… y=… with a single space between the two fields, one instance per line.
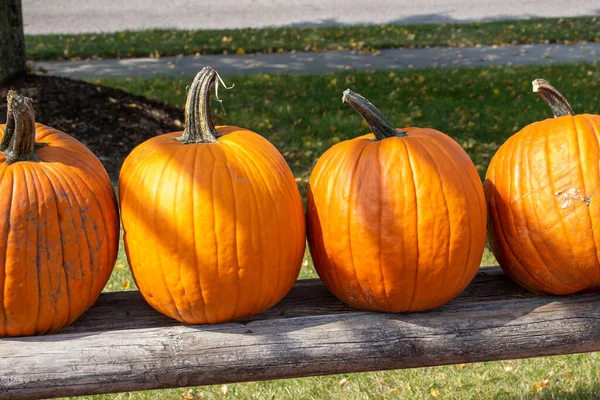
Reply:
x=573 y=194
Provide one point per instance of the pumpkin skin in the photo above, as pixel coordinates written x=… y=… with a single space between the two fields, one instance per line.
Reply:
x=214 y=231
x=59 y=234
x=542 y=190
x=396 y=224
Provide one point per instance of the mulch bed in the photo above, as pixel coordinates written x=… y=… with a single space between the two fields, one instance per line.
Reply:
x=110 y=122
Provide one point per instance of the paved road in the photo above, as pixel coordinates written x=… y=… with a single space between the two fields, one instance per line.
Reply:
x=295 y=63
x=78 y=16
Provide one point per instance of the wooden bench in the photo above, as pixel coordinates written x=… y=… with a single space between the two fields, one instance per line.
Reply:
x=121 y=344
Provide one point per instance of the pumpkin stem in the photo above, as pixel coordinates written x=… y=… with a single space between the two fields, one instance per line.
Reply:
x=199 y=125
x=557 y=102
x=18 y=141
x=380 y=126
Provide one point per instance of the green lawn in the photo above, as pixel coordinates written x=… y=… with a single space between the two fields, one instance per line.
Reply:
x=174 y=42
x=303 y=116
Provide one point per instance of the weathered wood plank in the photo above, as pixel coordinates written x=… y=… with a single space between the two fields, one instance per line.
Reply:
x=308 y=333
x=128 y=310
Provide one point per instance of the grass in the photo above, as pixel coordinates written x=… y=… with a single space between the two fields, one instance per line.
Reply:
x=303 y=116
x=562 y=377
x=156 y=43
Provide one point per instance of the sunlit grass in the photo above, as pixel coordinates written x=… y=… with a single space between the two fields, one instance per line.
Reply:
x=172 y=42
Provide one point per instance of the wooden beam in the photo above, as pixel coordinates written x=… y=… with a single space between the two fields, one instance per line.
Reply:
x=12 y=42
x=122 y=345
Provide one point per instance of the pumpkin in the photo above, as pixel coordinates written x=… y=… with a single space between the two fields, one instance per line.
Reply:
x=396 y=218
x=542 y=189
x=59 y=225
x=213 y=219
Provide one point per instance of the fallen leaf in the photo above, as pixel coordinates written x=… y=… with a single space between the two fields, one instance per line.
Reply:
x=344 y=382
x=188 y=395
x=224 y=390
x=539 y=386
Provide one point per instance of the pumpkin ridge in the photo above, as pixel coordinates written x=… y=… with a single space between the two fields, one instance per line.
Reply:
x=364 y=174
x=238 y=267
x=176 y=242
x=136 y=173
x=500 y=227
x=380 y=185
x=67 y=188
x=184 y=298
x=274 y=294
x=329 y=160
x=564 y=229
x=249 y=167
x=215 y=229
x=235 y=242
x=441 y=181
x=26 y=241
x=76 y=183
x=6 y=253
x=348 y=222
x=194 y=233
x=34 y=176
x=249 y=162
x=510 y=212
x=46 y=236
x=282 y=189
x=523 y=165
x=155 y=224
x=415 y=200
x=590 y=121
x=74 y=187
x=581 y=163
x=469 y=211
x=63 y=275
x=234 y=308
x=4 y=239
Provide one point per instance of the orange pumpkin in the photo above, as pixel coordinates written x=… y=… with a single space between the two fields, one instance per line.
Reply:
x=213 y=219
x=396 y=218
x=542 y=189
x=59 y=225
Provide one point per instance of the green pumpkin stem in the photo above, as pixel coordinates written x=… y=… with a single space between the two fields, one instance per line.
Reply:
x=380 y=126
x=199 y=125
x=557 y=102
x=18 y=141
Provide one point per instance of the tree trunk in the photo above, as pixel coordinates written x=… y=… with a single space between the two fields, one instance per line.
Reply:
x=12 y=41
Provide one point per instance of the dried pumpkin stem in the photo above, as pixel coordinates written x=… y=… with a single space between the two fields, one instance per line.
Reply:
x=199 y=125
x=557 y=102
x=380 y=126
x=18 y=141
